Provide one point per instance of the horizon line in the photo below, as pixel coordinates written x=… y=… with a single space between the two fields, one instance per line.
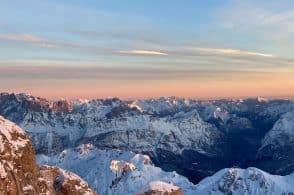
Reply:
x=200 y=98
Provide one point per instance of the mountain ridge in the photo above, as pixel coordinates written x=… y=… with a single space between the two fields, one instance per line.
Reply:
x=195 y=138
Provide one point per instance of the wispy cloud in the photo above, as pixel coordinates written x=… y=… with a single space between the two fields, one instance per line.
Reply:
x=144 y=52
x=227 y=51
x=28 y=38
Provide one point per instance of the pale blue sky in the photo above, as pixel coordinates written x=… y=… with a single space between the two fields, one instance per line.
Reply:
x=144 y=36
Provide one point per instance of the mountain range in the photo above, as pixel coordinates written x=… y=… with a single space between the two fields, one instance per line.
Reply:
x=174 y=145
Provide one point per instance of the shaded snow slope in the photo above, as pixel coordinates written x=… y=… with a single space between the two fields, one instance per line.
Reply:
x=276 y=153
x=282 y=133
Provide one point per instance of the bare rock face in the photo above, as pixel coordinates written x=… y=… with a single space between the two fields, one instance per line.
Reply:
x=63 y=182
x=19 y=173
x=18 y=169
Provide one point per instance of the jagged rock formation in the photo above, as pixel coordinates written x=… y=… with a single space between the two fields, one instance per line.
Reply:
x=19 y=173
x=63 y=182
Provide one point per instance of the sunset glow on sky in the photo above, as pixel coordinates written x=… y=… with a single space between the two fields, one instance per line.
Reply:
x=141 y=49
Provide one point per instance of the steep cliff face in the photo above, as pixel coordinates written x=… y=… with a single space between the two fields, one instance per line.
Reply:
x=18 y=169
x=19 y=173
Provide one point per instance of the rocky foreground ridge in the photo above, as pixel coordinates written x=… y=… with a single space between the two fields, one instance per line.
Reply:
x=20 y=174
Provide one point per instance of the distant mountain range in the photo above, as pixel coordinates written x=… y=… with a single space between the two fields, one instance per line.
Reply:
x=129 y=147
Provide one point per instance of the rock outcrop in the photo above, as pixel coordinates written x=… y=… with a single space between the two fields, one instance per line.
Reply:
x=20 y=174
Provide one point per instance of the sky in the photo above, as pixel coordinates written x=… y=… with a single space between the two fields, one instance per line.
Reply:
x=147 y=48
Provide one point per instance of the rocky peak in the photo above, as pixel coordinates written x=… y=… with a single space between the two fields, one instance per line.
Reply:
x=19 y=173
x=18 y=169
x=62 y=106
x=15 y=106
x=63 y=182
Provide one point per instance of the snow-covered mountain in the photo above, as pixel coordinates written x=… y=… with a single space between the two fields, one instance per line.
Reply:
x=114 y=171
x=251 y=181
x=112 y=123
x=194 y=138
x=121 y=172
x=282 y=133
x=54 y=126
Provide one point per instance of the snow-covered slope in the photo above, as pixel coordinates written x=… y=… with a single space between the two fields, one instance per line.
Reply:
x=114 y=171
x=144 y=133
x=251 y=181
x=276 y=153
x=121 y=172
x=282 y=133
